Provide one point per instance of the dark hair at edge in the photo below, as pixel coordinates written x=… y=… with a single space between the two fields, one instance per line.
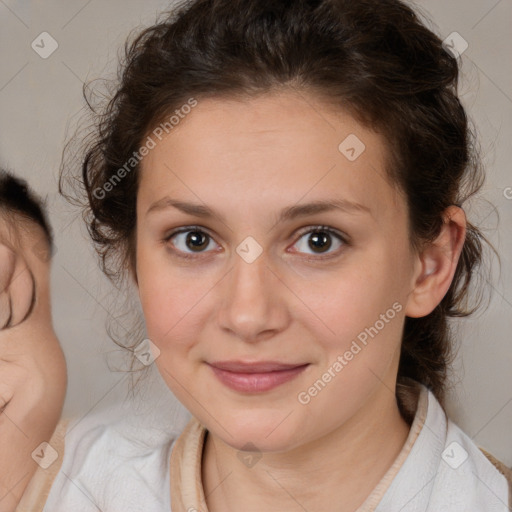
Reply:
x=16 y=198
x=375 y=60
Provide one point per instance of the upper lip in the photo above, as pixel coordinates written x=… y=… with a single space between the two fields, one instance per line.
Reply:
x=254 y=367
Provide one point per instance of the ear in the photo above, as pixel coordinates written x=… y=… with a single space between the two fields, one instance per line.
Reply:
x=436 y=265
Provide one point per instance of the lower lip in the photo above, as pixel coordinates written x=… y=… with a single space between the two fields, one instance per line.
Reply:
x=256 y=382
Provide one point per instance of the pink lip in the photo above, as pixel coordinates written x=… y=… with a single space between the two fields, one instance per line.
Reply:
x=255 y=377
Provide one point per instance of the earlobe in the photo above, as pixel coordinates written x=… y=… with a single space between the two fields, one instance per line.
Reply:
x=437 y=264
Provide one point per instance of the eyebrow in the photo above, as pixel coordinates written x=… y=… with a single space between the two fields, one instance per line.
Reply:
x=289 y=213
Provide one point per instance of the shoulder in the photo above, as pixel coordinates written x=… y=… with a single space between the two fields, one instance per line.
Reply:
x=118 y=455
x=506 y=471
x=457 y=475
x=465 y=465
x=483 y=462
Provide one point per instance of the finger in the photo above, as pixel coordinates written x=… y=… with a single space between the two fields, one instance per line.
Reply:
x=6 y=390
x=22 y=294
x=5 y=309
x=3 y=404
x=7 y=264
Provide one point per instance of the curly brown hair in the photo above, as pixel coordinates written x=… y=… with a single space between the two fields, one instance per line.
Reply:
x=376 y=59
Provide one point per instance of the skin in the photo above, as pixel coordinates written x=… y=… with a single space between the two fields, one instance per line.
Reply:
x=32 y=366
x=247 y=160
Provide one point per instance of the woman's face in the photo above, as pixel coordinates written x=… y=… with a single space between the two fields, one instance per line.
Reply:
x=278 y=308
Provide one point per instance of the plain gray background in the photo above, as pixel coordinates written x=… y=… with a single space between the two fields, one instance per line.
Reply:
x=40 y=100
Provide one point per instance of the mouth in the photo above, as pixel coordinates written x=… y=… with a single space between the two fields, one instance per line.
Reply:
x=255 y=377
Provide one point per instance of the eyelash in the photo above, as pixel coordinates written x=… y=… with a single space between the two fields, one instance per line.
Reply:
x=311 y=229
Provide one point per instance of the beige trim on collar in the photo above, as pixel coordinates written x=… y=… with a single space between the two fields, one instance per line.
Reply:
x=187 y=493
x=504 y=470
x=185 y=469
x=419 y=412
x=186 y=478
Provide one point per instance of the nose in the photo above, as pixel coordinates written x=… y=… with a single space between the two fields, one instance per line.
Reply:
x=253 y=306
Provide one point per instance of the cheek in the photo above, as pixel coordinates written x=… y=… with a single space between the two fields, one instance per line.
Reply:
x=171 y=299
x=343 y=303
x=167 y=306
x=358 y=321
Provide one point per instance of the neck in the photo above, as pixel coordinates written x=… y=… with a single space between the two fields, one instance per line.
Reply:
x=342 y=467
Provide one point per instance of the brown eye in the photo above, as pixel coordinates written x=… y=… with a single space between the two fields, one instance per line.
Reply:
x=196 y=240
x=319 y=241
x=191 y=240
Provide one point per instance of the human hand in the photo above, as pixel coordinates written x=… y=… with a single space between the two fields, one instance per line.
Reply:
x=32 y=365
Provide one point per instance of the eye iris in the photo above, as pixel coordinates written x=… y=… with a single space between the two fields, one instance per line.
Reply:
x=320 y=240
x=196 y=240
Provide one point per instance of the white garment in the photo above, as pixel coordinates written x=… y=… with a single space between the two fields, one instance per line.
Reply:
x=117 y=462
x=117 y=459
x=431 y=480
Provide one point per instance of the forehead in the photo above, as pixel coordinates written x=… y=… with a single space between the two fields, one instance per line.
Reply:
x=269 y=150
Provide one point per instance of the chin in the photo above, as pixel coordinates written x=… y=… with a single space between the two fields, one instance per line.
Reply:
x=265 y=430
